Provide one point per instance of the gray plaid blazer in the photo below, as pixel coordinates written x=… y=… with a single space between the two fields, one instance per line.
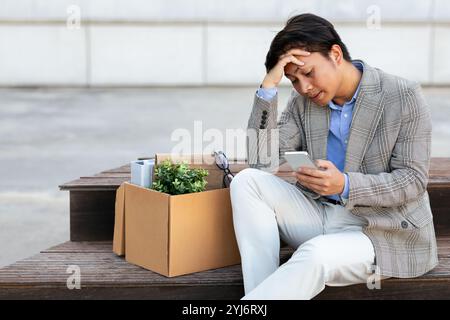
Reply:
x=387 y=162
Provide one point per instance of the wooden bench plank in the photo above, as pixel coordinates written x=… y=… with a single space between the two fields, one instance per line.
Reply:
x=104 y=275
x=440 y=163
x=98 y=183
x=97 y=260
x=126 y=175
x=439 y=176
x=80 y=246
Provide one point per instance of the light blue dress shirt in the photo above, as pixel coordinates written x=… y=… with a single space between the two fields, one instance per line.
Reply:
x=340 y=123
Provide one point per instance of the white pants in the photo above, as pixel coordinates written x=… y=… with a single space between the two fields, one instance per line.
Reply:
x=331 y=248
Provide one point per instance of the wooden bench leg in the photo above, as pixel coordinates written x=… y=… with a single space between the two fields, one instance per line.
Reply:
x=92 y=215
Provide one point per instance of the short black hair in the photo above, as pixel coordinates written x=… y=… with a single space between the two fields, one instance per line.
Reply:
x=306 y=31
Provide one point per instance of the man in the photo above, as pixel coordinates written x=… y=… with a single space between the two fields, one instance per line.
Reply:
x=366 y=210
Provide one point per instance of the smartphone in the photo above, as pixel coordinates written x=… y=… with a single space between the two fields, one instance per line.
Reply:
x=297 y=159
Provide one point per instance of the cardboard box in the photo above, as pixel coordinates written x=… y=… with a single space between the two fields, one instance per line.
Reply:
x=175 y=234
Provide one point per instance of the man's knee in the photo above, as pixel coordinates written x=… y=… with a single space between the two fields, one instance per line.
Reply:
x=243 y=177
x=314 y=251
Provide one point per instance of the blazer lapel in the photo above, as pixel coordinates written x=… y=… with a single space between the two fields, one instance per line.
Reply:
x=366 y=116
x=317 y=124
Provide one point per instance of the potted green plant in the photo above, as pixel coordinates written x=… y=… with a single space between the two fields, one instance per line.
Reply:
x=178 y=178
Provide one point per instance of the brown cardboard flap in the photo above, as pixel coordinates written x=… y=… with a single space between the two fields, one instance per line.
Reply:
x=206 y=161
x=194 y=159
x=119 y=222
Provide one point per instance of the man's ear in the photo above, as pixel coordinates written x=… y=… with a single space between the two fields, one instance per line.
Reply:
x=336 y=54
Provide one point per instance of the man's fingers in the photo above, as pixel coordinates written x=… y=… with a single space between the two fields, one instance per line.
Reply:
x=298 y=52
x=284 y=55
x=312 y=180
x=292 y=59
x=312 y=187
x=290 y=56
x=323 y=163
x=313 y=172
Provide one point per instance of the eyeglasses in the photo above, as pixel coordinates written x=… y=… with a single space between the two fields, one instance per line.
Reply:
x=222 y=163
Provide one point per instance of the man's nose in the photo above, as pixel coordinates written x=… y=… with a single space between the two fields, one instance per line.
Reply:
x=305 y=87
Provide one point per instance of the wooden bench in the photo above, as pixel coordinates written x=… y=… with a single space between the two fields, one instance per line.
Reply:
x=104 y=275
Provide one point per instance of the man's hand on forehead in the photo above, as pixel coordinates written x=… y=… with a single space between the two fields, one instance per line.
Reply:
x=274 y=76
x=296 y=53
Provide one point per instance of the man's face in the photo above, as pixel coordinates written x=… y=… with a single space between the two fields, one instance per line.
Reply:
x=318 y=79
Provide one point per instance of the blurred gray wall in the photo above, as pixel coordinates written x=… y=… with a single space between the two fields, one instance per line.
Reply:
x=205 y=42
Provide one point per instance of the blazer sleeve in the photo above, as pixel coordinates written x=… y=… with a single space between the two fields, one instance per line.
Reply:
x=266 y=146
x=410 y=160
x=267 y=138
